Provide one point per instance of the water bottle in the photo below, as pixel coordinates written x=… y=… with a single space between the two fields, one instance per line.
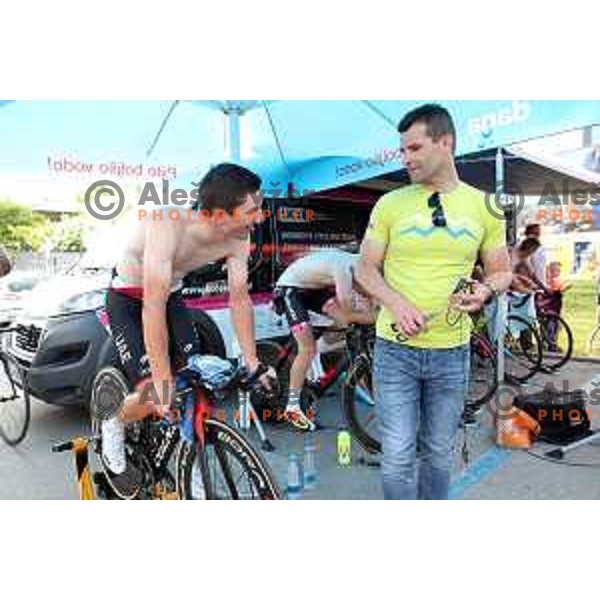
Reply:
x=310 y=463
x=344 y=449
x=294 y=478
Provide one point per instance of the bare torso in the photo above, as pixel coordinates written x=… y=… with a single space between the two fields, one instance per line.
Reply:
x=197 y=246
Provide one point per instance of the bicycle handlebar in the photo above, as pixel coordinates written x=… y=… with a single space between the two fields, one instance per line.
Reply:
x=240 y=379
x=63 y=446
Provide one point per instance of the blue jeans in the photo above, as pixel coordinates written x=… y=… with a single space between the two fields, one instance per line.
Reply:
x=420 y=397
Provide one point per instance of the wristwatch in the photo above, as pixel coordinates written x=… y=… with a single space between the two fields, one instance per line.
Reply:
x=494 y=291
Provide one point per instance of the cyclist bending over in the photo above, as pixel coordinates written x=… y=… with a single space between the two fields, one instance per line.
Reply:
x=322 y=282
x=148 y=320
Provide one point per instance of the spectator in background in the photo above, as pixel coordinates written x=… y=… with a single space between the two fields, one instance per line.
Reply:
x=5 y=266
x=553 y=301
x=525 y=279
x=538 y=259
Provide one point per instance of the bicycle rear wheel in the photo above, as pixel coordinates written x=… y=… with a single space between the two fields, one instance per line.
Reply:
x=522 y=350
x=359 y=407
x=557 y=340
x=483 y=376
x=15 y=405
x=228 y=468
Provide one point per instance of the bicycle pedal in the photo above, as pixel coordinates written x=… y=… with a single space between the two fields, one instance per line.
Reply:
x=103 y=489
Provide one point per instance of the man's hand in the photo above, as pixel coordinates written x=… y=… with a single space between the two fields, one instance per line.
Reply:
x=332 y=309
x=266 y=380
x=407 y=318
x=471 y=301
x=523 y=284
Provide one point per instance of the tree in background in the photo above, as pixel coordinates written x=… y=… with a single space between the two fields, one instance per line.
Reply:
x=70 y=234
x=21 y=229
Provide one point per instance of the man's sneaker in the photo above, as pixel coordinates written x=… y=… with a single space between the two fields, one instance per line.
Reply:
x=125 y=479
x=298 y=419
x=127 y=484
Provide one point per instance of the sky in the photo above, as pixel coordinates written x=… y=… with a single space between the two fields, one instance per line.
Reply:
x=52 y=150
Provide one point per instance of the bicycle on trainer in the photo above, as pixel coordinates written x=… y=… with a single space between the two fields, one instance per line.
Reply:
x=327 y=369
x=189 y=455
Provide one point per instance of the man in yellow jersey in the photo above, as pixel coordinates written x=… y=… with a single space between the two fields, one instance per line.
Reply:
x=423 y=240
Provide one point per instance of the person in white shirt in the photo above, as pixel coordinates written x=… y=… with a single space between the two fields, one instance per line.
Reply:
x=324 y=283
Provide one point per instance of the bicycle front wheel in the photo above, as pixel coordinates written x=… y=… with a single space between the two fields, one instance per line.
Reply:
x=359 y=407
x=15 y=405
x=557 y=340
x=226 y=468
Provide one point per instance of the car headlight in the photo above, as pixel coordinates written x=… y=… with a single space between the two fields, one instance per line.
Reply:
x=92 y=300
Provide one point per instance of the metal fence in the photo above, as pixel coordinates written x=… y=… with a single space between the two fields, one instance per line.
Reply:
x=46 y=263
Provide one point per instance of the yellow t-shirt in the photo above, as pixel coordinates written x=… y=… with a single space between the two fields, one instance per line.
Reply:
x=424 y=263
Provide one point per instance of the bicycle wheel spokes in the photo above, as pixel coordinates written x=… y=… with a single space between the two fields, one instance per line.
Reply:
x=557 y=340
x=522 y=350
x=14 y=402
x=225 y=474
x=227 y=468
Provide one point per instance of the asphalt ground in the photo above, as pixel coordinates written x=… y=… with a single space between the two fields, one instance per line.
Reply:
x=32 y=471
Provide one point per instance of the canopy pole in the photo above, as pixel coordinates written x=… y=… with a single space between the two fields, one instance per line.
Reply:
x=501 y=309
x=233 y=116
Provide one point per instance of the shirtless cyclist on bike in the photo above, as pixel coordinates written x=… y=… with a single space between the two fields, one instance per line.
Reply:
x=148 y=320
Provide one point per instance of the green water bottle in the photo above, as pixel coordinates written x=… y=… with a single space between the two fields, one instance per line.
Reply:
x=344 y=449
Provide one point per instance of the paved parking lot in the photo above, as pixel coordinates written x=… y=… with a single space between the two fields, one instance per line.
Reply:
x=32 y=471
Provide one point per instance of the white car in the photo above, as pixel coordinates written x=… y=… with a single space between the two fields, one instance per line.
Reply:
x=15 y=289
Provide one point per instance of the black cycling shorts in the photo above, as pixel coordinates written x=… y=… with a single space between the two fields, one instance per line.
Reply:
x=125 y=319
x=295 y=303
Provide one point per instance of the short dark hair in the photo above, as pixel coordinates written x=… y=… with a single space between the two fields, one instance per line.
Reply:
x=226 y=186
x=533 y=229
x=436 y=118
x=529 y=245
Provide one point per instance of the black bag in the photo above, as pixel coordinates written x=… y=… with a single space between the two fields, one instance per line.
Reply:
x=561 y=415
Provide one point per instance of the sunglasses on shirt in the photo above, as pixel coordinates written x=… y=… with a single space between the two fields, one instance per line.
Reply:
x=438 y=218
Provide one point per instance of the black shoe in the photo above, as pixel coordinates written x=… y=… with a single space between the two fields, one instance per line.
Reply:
x=127 y=484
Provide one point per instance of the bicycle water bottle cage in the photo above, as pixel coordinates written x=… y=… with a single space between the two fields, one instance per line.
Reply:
x=211 y=372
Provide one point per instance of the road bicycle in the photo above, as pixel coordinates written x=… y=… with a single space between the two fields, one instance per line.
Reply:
x=191 y=454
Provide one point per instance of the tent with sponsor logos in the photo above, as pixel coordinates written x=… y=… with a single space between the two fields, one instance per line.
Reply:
x=51 y=150
x=300 y=145
x=347 y=150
